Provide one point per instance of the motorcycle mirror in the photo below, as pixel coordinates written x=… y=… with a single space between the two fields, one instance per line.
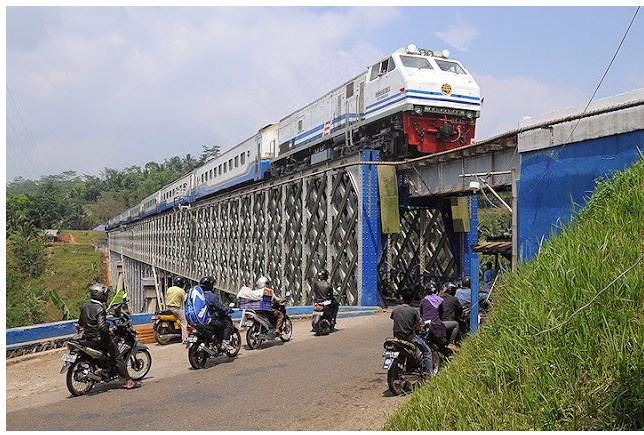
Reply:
x=288 y=293
x=231 y=305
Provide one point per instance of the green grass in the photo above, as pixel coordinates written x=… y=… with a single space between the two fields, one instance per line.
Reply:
x=562 y=348
x=72 y=268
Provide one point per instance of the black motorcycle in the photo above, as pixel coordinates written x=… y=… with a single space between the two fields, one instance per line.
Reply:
x=324 y=316
x=404 y=361
x=260 y=326
x=203 y=343
x=87 y=365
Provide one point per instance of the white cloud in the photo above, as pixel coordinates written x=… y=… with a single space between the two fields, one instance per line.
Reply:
x=459 y=34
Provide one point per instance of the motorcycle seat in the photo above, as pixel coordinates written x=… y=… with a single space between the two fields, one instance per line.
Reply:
x=402 y=343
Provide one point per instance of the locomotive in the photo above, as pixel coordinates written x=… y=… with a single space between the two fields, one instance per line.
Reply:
x=415 y=101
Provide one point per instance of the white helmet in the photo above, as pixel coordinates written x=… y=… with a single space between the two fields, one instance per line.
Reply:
x=262 y=282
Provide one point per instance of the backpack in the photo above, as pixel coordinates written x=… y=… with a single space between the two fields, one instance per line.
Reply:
x=196 y=309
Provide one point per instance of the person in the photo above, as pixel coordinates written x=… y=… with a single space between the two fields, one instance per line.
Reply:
x=93 y=320
x=263 y=284
x=430 y=308
x=451 y=313
x=488 y=277
x=218 y=313
x=464 y=293
x=323 y=291
x=407 y=323
x=174 y=299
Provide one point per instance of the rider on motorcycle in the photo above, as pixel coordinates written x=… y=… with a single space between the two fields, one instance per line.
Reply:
x=218 y=313
x=93 y=320
x=175 y=297
x=407 y=323
x=323 y=291
x=263 y=284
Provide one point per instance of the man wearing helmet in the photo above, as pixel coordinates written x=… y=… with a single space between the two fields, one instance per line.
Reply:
x=323 y=291
x=451 y=313
x=263 y=284
x=93 y=320
x=174 y=299
x=218 y=312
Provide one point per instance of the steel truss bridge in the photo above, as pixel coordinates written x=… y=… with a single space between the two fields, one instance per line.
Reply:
x=327 y=216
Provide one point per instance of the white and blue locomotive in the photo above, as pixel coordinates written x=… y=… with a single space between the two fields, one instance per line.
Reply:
x=413 y=102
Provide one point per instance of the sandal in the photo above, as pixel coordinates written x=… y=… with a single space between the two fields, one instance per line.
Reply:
x=136 y=385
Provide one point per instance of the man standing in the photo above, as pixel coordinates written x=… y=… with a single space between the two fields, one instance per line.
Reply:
x=406 y=323
x=174 y=299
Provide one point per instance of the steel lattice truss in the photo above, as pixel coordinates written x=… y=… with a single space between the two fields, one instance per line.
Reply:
x=284 y=230
x=421 y=249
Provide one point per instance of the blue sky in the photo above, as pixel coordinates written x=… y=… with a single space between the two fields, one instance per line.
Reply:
x=96 y=87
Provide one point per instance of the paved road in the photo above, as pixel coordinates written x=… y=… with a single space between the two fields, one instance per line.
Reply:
x=311 y=383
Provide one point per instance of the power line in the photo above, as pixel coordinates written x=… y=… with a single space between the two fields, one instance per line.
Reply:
x=29 y=140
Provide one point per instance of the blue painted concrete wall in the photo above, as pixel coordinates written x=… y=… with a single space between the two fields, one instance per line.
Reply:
x=557 y=181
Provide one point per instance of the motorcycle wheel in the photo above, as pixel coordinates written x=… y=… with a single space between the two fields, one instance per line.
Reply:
x=235 y=342
x=396 y=381
x=324 y=327
x=252 y=339
x=77 y=381
x=139 y=363
x=196 y=357
x=159 y=332
x=287 y=330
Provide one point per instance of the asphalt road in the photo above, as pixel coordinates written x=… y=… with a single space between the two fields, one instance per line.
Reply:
x=310 y=383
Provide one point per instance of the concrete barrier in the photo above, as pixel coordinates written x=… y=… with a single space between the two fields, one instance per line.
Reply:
x=34 y=335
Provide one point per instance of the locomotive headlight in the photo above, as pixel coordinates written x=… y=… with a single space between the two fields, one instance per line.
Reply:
x=445 y=53
x=418 y=110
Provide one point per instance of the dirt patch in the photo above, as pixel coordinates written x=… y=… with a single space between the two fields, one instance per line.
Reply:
x=66 y=238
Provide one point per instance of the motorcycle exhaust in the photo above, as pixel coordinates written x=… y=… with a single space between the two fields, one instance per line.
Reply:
x=208 y=349
x=94 y=377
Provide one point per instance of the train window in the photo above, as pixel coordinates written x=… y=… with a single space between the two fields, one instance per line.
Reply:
x=448 y=66
x=225 y=168
x=236 y=161
x=230 y=164
x=242 y=158
x=219 y=170
x=350 y=90
x=390 y=65
x=300 y=125
x=415 y=62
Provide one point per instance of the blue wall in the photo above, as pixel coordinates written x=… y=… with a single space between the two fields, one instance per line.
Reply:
x=556 y=181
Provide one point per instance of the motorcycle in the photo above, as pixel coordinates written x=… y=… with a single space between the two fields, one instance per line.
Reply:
x=404 y=361
x=260 y=326
x=87 y=365
x=323 y=319
x=203 y=343
x=166 y=327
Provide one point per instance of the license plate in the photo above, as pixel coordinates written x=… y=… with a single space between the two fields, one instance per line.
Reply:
x=390 y=354
x=69 y=357
x=192 y=339
x=387 y=363
x=247 y=323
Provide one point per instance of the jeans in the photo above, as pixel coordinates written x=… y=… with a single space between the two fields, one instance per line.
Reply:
x=426 y=350
x=452 y=330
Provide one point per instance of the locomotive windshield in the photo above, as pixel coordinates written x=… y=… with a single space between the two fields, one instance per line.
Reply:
x=448 y=66
x=415 y=62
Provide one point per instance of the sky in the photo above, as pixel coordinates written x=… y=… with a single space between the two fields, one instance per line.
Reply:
x=89 y=88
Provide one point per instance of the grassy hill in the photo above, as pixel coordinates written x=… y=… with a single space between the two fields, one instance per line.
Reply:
x=74 y=264
x=563 y=348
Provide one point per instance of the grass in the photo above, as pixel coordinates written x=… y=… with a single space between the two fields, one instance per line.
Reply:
x=563 y=346
x=72 y=268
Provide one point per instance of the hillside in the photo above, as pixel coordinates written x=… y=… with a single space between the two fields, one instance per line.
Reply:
x=74 y=263
x=563 y=348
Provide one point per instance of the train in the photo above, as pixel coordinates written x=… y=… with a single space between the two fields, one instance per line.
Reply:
x=413 y=102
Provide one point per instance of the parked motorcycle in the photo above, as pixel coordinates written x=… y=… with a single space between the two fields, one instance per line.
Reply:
x=86 y=365
x=404 y=361
x=260 y=326
x=203 y=344
x=323 y=319
x=167 y=328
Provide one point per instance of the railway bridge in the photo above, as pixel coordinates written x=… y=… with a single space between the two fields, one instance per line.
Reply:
x=378 y=226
